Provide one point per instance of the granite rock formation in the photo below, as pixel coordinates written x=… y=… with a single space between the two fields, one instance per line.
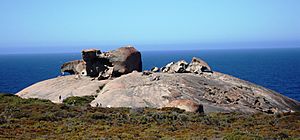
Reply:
x=196 y=66
x=94 y=63
x=62 y=87
x=125 y=60
x=107 y=64
x=74 y=67
x=216 y=92
x=190 y=86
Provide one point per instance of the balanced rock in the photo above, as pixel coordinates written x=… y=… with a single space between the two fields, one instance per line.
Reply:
x=74 y=67
x=94 y=63
x=107 y=64
x=125 y=60
x=198 y=66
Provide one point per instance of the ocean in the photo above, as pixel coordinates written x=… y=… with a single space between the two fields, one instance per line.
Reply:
x=277 y=69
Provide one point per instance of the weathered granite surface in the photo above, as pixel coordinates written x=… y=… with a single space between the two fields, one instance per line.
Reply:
x=60 y=88
x=190 y=86
x=74 y=67
x=216 y=92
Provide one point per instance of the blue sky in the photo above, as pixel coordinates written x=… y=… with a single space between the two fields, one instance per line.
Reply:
x=74 y=23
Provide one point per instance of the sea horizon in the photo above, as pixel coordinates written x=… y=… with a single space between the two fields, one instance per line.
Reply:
x=19 y=49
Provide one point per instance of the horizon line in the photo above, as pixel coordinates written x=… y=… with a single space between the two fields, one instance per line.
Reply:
x=199 y=49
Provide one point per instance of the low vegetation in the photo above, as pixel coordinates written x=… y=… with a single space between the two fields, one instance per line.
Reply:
x=75 y=119
x=79 y=101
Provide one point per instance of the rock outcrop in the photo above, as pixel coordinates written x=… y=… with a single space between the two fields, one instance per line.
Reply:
x=190 y=86
x=94 y=64
x=197 y=66
x=125 y=60
x=60 y=88
x=217 y=92
x=74 y=67
x=107 y=64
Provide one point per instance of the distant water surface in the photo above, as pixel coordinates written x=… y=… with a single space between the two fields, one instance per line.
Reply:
x=277 y=69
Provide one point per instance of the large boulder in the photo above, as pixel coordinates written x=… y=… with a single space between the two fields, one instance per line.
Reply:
x=197 y=65
x=125 y=60
x=94 y=63
x=74 y=67
x=107 y=64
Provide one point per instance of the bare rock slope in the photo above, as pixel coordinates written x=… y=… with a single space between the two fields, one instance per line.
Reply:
x=216 y=92
x=190 y=86
x=60 y=88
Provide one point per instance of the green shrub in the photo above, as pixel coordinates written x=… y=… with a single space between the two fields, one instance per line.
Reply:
x=99 y=116
x=172 y=109
x=79 y=101
x=37 y=101
x=2 y=120
x=46 y=117
x=9 y=98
